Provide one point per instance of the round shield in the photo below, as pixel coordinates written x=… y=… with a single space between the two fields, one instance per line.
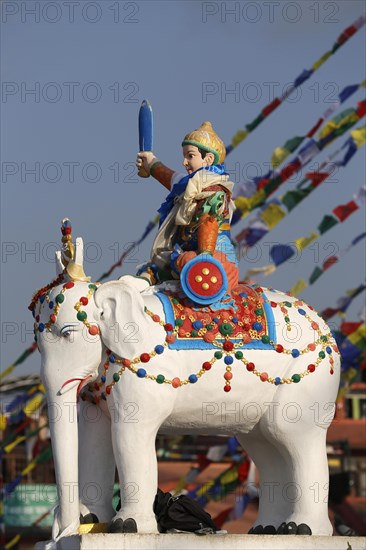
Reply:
x=204 y=280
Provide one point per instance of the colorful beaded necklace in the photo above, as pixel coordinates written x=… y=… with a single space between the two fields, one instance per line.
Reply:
x=44 y=295
x=227 y=349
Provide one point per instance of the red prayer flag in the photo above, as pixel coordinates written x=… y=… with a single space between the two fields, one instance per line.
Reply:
x=222 y=516
x=348 y=327
x=290 y=169
x=329 y=262
x=317 y=178
x=271 y=106
x=344 y=210
x=263 y=183
x=314 y=129
x=346 y=34
x=361 y=109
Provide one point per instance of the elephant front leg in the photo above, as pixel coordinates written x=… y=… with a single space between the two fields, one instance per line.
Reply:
x=96 y=464
x=135 y=455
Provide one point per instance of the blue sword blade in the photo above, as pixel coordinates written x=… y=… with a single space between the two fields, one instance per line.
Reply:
x=146 y=127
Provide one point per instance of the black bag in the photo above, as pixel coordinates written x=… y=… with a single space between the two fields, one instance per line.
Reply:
x=181 y=514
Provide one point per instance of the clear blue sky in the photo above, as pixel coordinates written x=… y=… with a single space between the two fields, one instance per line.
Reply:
x=90 y=64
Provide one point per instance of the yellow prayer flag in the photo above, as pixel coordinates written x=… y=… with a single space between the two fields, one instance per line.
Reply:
x=12 y=542
x=303 y=242
x=272 y=215
x=239 y=137
x=357 y=335
x=7 y=371
x=33 y=404
x=363 y=84
x=11 y=446
x=278 y=156
x=322 y=60
x=264 y=270
x=337 y=123
x=3 y=422
x=229 y=476
x=29 y=468
x=298 y=287
x=359 y=136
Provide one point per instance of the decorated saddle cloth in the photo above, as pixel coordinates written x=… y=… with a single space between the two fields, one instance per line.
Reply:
x=244 y=317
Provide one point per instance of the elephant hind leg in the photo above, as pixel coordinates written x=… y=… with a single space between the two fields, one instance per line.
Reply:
x=273 y=509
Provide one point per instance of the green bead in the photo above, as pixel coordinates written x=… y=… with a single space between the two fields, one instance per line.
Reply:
x=194 y=333
x=321 y=354
x=258 y=311
x=226 y=329
x=239 y=355
x=160 y=378
x=92 y=287
x=179 y=322
x=287 y=304
x=296 y=378
x=287 y=319
x=60 y=298
x=175 y=301
x=81 y=315
x=116 y=377
x=218 y=354
x=245 y=304
x=324 y=338
x=265 y=339
x=209 y=327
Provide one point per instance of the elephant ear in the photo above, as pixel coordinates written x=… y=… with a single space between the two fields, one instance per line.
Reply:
x=120 y=316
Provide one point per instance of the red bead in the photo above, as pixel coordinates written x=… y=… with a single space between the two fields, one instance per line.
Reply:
x=176 y=382
x=168 y=327
x=311 y=368
x=156 y=318
x=247 y=327
x=311 y=347
x=84 y=300
x=53 y=318
x=227 y=388
x=228 y=346
x=145 y=357
x=279 y=348
x=250 y=366
x=259 y=289
x=228 y=375
x=37 y=318
x=68 y=230
x=126 y=362
x=108 y=390
x=331 y=371
x=93 y=330
x=263 y=376
x=273 y=304
x=69 y=284
x=106 y=366
x=96 y=386
x=206 y=365
x=315 y=325
x=170 y=339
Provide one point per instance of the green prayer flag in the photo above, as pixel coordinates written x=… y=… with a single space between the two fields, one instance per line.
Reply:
x=292 y=198
x=256 y=122
x=315 y=275
x=327 y=223
x=293 y=143
x=272 y=185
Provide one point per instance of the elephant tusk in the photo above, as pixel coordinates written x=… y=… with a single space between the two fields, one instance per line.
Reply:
x=73 y=382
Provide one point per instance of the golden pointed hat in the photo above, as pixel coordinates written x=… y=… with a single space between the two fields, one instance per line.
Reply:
x=206 y=138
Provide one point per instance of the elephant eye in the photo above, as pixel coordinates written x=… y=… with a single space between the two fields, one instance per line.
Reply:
x=67 y=333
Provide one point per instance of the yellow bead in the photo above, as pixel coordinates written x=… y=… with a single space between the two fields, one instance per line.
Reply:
x=205 y=286
x=198 y=278
x=213 y=280
x=205 y=271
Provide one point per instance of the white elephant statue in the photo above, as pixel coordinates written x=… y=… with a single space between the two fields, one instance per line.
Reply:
x=114 y=338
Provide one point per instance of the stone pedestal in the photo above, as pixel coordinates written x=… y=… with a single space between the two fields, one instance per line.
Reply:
x=208 y=542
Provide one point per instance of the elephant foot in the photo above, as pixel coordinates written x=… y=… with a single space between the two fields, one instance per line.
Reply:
x=119 y=526
x=88 y=518
x=292 y=529
x=284 y=529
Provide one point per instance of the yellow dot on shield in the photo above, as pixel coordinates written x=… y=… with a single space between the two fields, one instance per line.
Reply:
x=198 y=278
x=205 y=286
x=205 y=271
x=213 y=280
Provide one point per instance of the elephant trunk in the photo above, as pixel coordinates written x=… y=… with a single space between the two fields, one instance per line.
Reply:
x=64 y=434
